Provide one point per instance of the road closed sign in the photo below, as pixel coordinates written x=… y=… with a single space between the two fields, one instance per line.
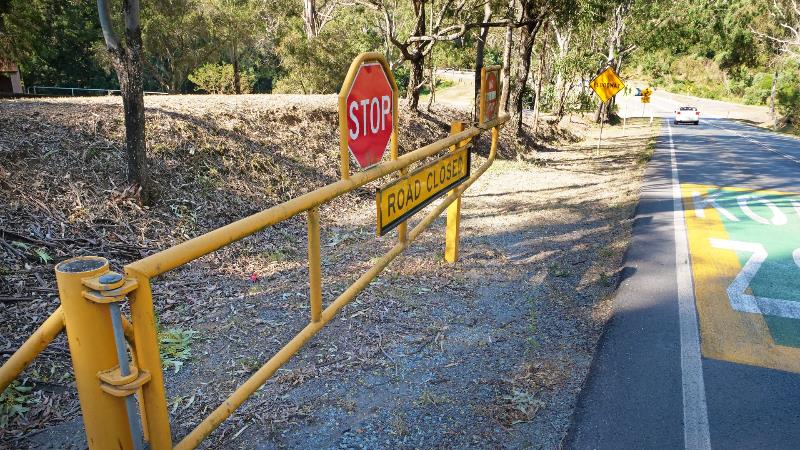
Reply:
x=402 y=198
x=367 y=112
x=490 y=93
x=607 y=84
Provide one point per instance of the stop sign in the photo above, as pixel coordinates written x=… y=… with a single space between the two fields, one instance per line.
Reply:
x=369 y=110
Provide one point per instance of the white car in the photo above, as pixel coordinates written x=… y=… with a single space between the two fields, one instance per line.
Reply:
x=687 y=114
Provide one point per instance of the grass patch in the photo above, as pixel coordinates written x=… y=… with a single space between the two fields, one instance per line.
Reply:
x=646 y=154
x=440 y=84
x=559 y=271
x=429 y=398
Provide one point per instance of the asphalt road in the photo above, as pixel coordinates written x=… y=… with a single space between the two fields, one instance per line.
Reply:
x=703 y=350
x=664 y=103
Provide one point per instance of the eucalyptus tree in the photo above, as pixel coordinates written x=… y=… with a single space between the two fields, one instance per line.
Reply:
x=234 y=25
x=126 y=56
x=533 y=14
x=176 y=41
x=415 y=37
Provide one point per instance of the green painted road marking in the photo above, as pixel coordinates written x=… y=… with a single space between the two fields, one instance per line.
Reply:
x=745 y=251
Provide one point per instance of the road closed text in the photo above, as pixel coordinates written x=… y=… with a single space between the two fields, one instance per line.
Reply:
x=404 y=197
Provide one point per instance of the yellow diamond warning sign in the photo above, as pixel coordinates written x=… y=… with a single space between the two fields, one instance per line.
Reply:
x=607 y=84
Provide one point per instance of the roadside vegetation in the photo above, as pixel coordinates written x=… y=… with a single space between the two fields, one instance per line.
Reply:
x=737 y=51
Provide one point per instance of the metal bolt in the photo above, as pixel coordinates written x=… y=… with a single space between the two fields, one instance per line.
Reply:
x=110 y=278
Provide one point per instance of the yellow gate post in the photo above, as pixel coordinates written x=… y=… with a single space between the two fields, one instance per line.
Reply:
x=453 y=232
x=156 y=419
x=91 y=345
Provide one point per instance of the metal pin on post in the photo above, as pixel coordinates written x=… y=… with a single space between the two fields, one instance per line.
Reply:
x=124 y=365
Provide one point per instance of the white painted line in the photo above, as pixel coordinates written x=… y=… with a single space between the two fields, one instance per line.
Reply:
x=779 y=153
x=695 y=412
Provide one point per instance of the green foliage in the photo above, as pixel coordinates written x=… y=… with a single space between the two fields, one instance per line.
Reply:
x=788 y=94
x=43 y=255
x=440 y=84
x=318 y=65
x=176 y=41
x=759 y=90
x=14 y=401
x=175 y=346
x=53 y=42
x=218 y=79
x=401 y=75
x=657 y=64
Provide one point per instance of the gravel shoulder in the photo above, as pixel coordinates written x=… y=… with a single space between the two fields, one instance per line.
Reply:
x=488 y=352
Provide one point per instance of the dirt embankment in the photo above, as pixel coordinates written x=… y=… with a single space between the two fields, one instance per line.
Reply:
x=488 y=352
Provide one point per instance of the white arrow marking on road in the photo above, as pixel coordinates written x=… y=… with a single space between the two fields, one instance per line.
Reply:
x=796 y=207
x=701 y=203
x=739 y=300
x=778 y=217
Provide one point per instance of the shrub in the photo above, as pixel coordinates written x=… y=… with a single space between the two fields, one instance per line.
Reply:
x=788 y=95
x=759 y=91
x=218 y=79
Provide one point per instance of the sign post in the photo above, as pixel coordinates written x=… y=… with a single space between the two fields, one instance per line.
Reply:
x=606 y=86
x=646 y=92
x=490 y=93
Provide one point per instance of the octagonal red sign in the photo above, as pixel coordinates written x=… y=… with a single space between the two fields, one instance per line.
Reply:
x=369 y=110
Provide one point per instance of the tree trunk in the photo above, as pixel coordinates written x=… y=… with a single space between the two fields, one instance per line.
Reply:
x=562 y=97
x=479 y=53
x=310 y=18
x=416 y=58
x=237 y=85
x=601 y=113
x=505 y=72
x=133 y=106
x=539 y=75
x=432 y=83
x=415 y=81
x=127 y=61
x=527 y=37
x=772 y=98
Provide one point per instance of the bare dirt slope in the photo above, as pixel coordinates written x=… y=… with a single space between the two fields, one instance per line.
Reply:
x=489 y=352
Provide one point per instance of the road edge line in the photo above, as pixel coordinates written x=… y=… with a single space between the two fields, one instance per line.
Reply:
x=695 y=411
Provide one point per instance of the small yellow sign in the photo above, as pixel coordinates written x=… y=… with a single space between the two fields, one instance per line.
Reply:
x=647 y=92
x=607 y=84
x=402 y=198
x=645 y=99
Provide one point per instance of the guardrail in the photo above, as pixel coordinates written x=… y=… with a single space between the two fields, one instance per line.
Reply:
x=33 y=90
x=90 y=294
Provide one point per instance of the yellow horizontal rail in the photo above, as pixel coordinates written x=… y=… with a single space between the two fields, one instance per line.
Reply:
x=34 y=345
x=37 y=342
x=261 y=376
x=192 y=249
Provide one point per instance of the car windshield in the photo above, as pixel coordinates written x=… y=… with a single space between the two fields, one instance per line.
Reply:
x=688 y=108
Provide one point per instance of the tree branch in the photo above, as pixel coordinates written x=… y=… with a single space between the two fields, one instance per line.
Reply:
x=112 y=42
